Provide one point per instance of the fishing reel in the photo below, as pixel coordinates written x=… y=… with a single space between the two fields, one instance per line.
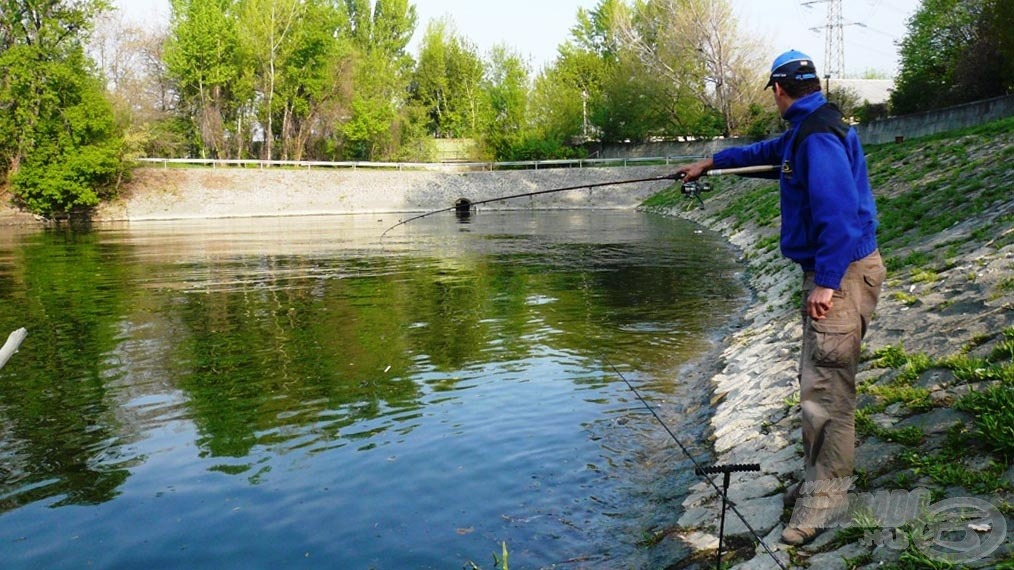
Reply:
x=694 y=189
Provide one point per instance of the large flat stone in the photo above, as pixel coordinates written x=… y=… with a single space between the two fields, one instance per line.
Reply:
x=763 y=514
x=936 y=421
x=875 y=456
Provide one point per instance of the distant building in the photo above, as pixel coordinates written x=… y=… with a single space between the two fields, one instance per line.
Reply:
x=872 y=91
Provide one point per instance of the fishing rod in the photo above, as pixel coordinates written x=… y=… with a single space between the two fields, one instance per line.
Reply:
x=536 y=193
x=703 y=471
x=690 y=189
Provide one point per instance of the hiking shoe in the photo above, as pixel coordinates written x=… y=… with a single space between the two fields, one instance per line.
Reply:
x=798 y=536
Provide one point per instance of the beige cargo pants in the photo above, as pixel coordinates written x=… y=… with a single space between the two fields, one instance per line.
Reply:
x=829 y=360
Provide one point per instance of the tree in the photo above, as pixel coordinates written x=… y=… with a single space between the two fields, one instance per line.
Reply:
x=201 y=57
x=955 y=51
x=506 y=90
x=59 y=145
x=595 y=31
x=429 y=86
x=696 y=46
x=986 y=68
x=316 y=88
x=565 y=96
x=130 y=59
x=635 y=104
x=446 y=82
x=380 y=70
x=268 y=26
x=568 y=97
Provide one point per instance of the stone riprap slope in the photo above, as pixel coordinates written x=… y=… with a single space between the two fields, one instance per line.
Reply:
x=944 y=329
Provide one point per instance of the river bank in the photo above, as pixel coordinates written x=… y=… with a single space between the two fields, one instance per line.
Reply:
x=937 y=365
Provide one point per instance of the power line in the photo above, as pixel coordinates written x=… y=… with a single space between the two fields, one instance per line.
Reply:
x=834 y=37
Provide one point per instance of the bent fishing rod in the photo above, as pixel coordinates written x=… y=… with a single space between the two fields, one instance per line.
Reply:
x=702 y=472
x=691 y=189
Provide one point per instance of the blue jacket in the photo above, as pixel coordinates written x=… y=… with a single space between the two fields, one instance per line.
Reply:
x=829 y=217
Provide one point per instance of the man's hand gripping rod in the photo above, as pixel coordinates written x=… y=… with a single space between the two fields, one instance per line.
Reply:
x=693 y=188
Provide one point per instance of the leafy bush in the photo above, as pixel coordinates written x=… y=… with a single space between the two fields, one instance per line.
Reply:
x=68 y=151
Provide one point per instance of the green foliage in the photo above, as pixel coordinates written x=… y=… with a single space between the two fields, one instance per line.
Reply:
x=1004 y=350
x=914 y=398
x=865 y=426
x=764 y=121
x=946 y=469
x=506 y=95
x=890 y=356
x=367 y=132
x=994 y=417
x=501 y=562
x=967 y=369
x=925 y=203
x=446 y=82
x=949 y=44
x=566 y=96
x=287 y=79
x=202 y=60
x=60 y=148
x=294 y=79
x=759 y=206
x=862 y=522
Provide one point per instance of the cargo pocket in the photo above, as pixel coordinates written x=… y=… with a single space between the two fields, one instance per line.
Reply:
x=835 y=341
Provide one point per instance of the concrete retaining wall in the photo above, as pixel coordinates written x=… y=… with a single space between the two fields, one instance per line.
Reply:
x=161 y=194
x=938 y=121
x=876 y=132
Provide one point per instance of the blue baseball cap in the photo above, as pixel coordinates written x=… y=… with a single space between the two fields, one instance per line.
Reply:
x=794 y=65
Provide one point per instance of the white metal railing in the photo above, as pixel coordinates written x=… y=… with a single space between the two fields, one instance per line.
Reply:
x=309 y=164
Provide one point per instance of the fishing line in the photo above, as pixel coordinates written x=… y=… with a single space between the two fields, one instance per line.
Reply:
x=537 y=193
x=695 y=192
x=698 y=468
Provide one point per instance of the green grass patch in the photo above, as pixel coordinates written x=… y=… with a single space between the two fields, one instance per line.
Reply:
x=946 y=469
x=760 y=206
x=667 y=198
x=866 y=427
x=1005 y=285
x=968 y=369
x=890 y=356
x=909 y=366
x=768 y=243
x=904 y=298
x=912 y=397
x=1004 y=350
x=924 y=276
x=914 y=259
x=863 y=522
x=994 y=418
x=998 y=233
x=928 y=202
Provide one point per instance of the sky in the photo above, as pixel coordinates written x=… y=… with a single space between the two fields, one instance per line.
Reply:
x=534 y=28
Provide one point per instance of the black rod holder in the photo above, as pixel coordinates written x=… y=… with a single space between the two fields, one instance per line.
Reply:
x=726 y=471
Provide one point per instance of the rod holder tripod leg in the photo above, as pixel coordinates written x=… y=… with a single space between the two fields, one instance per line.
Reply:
x=726 y=471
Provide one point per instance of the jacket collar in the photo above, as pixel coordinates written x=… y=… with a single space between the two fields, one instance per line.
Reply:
x=802 y=107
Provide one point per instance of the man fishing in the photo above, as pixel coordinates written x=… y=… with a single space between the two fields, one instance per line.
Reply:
x=828 y=227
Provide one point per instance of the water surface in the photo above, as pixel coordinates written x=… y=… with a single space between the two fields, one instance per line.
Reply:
x=288 y=392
